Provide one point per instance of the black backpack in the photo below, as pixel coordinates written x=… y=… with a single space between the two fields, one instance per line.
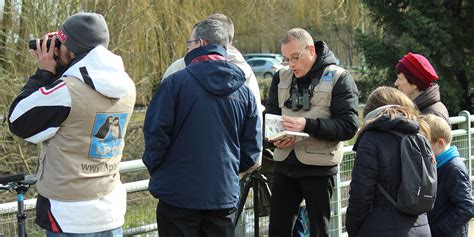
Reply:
x=417 y=191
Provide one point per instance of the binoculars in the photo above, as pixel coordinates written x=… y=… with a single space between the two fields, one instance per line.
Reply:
x=299 y=100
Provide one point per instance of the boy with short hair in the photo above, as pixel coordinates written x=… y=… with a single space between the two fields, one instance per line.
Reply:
x=454 y=205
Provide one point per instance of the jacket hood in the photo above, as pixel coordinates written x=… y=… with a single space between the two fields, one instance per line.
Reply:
x=325 y=56
x=386 y=124
x=103 y=71
x=214 y=73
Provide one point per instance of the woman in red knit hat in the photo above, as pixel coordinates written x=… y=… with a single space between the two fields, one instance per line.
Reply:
x=416 y=78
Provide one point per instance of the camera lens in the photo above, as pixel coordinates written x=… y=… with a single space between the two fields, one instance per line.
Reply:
x=32 y=43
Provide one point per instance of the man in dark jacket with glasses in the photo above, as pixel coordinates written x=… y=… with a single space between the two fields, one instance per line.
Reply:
x=317 y=97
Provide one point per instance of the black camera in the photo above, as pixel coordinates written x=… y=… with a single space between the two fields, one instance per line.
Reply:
x=299 y=100
x=32 y=43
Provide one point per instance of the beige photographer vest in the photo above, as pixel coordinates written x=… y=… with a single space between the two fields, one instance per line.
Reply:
x=81 y=161
x=311 y=151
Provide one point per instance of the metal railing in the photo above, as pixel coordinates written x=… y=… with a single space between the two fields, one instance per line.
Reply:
x=141 y=205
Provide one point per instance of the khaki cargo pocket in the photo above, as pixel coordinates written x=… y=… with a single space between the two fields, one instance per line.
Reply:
x=317 y=147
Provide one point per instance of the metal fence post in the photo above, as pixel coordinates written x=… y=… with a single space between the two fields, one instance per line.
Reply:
x=467 y=126
x=339 y=202
x=337 y=208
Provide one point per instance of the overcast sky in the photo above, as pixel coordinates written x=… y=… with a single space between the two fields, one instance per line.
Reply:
x=1 y=7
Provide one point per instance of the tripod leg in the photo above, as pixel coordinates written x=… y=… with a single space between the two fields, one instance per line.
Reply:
x=266 y=190
x=243 y=198
x=21 y=216
x=256 y=208
x=261 y=199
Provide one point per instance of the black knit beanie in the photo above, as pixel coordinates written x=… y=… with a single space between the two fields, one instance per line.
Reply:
x=84 y=31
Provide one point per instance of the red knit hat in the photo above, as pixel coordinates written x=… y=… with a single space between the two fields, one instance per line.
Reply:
x=418 y=70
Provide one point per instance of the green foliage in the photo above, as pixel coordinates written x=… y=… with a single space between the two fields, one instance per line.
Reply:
x=443 y=31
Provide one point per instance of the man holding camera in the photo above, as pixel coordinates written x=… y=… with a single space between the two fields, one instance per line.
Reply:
x=78 y=103
x=317 y=97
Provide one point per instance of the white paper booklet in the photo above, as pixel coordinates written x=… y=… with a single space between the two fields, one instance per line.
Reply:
x=274 y=131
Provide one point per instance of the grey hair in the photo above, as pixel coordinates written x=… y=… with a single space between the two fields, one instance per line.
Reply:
x=297 y=34
x=213 y=31
x=228 y=24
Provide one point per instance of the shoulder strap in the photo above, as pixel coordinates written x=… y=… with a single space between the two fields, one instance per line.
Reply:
x=333 y=71
x=339 y=71
x=379 y=186
x=398 y=134
x=385 y=193
x=285 y=74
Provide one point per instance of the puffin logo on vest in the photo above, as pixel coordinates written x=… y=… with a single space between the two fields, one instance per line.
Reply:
x=328 y=76
x=107 y=135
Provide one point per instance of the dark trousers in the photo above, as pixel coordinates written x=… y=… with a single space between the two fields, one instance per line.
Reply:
x=287 y=194
x=181 y=222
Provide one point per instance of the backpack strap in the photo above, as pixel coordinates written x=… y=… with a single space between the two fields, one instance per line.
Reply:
x=397 y=133
x=379 y=186
x=385 y=193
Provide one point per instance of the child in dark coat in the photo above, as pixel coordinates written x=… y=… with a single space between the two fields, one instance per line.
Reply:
x=454 y=205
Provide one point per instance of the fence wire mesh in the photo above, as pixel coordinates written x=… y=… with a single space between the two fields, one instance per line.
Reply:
x=140 y=218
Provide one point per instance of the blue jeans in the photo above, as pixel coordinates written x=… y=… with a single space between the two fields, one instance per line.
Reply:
x=108 y=233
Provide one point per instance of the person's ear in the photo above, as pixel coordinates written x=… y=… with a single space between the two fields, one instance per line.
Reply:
x=72 y=54
x=312 y=50
x=202 y=42
x=441 y=142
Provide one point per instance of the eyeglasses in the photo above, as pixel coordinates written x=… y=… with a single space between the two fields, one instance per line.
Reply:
x=189 y=42
x=293 y=59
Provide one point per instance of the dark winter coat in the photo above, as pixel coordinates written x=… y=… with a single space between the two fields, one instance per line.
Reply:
x=429 y=102
x=201 y=130
x=454 y=205
x=378 y=161
x=340 y=127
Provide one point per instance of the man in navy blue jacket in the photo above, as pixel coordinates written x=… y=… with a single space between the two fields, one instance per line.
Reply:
x=201 y=129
